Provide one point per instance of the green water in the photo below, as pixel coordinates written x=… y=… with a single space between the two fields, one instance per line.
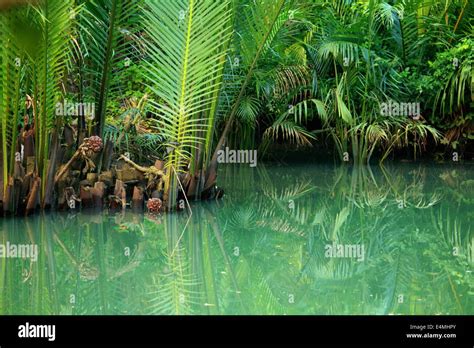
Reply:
x=404 y=231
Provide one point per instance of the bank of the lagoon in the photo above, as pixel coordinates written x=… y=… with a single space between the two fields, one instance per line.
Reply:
x=296 y=239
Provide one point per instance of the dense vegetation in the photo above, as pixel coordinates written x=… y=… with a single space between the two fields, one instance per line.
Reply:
x=177 y=80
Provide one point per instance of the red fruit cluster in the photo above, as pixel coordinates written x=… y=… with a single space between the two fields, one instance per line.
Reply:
x=94 y=143
x=154 y=205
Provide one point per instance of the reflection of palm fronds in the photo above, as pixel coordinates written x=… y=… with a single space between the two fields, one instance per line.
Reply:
x=290 y=204
x=366 y=199
x=282 y=225
x=338 y=269
x=290 y=192
x=341 y=218
x=244 y=218
x=319 y=217
x=397 y=261
x=259 y=294
x=425 y=203
x=171 y=291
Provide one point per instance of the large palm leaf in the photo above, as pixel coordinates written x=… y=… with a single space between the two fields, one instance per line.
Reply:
x=49 y=66
x=187 y=43
x=10 y=76
x=107 y=35
x=33 y=40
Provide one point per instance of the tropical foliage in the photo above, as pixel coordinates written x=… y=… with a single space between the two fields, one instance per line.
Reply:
x=178 y=80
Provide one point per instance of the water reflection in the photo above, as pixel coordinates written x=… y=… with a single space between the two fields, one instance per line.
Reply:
x=292 y=240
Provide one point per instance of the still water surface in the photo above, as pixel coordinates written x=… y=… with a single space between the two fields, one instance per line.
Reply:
x=299 y=239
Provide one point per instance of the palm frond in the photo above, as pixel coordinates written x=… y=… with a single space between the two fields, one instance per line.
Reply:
x=248 y=110
x=49 y=64
x=288 y=131
x=108 y=35
x=11 y=72
x=184 y=69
